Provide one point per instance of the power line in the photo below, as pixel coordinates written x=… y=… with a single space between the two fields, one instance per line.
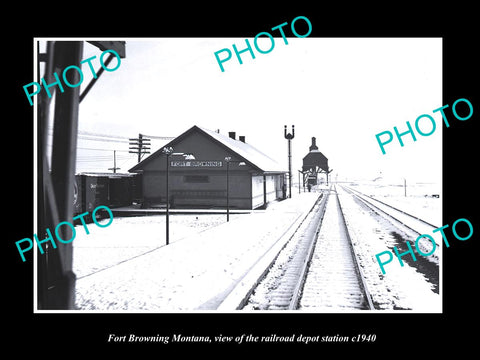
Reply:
x=140 y=146
x=96 y=149
x=89 y=133
x=84 y=137
x=159 y=137
x=101 y=159
x=117 y=137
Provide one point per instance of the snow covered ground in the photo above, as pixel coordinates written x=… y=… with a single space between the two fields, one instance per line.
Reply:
x=421 y=198
x=129 y=237
x=405 y=286
x=412 y=288
x=401 y=288
x=126 y=266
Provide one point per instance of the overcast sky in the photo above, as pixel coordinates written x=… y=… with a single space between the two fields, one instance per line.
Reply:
x=342 y=91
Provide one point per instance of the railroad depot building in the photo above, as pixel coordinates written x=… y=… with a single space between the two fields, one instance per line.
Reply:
x=198 y=173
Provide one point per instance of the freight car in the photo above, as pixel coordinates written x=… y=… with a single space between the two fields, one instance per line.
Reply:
x=110 y=189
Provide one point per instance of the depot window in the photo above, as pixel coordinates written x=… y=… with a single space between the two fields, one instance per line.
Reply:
x=196 y=179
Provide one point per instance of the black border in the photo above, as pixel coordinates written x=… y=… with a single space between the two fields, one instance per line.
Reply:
x=48 y=333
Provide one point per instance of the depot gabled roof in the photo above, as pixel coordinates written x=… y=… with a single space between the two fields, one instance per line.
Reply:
x=244 y=151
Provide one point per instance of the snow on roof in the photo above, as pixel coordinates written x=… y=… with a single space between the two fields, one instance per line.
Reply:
x=247 y=151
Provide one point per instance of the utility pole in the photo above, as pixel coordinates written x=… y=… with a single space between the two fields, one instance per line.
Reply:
x=114 y=162
x=139 y=146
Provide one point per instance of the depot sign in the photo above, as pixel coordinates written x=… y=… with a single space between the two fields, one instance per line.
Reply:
x=196 y=163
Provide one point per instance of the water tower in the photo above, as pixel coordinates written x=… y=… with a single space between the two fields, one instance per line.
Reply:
x=314 y=163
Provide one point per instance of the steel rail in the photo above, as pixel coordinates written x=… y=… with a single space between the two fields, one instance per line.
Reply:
x=303 y=274
x=360 y=194
x=363 y=282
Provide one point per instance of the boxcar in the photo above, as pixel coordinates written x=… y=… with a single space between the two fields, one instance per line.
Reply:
x=112 y=190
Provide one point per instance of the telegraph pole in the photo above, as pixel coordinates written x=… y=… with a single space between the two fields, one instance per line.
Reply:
x=115 y=168
x=139 y=146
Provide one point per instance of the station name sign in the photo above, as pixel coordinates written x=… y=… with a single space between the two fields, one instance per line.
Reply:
x=196 y=164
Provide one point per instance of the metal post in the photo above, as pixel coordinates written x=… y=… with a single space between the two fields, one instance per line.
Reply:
x=289 y=137
x=228 y=191
x=227 y=159
x=167 y=151
x=168 y=206
x=264 y=191
x=289 y=168
x=299 y=181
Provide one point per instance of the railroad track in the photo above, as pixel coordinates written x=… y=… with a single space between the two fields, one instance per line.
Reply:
x=317 y=270
x=335 y=280
x=413 y=222
x=376 y=227
x=401 y=219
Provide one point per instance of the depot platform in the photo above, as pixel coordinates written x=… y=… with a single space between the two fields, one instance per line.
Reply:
x=194 y=273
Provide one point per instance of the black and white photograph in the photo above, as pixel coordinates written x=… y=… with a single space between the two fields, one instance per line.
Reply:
x=282 y=187
x=260 y=205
